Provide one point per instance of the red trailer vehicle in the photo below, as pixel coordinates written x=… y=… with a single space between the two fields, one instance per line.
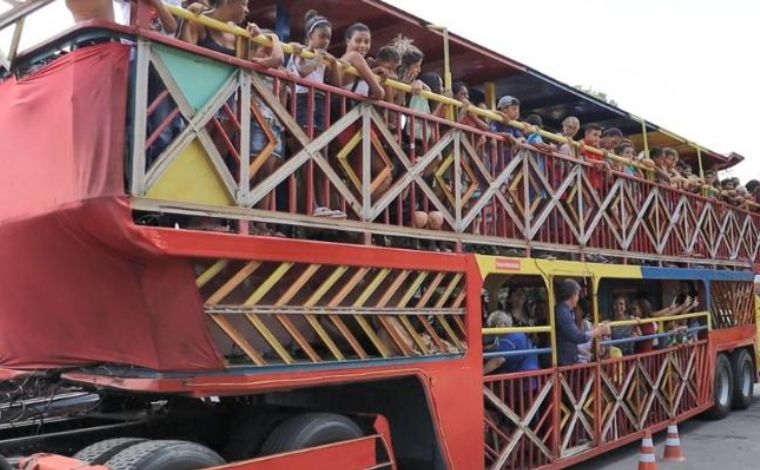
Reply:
x=169 y=304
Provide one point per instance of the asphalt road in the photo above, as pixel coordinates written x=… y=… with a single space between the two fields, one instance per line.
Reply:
x=729 y=444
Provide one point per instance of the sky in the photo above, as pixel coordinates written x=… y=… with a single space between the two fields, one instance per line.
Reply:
x=690 y=66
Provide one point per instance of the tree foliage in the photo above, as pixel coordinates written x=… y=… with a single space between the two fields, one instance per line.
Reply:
x=600 y=95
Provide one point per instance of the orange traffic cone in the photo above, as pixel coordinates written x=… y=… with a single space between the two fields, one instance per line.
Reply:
x=646 y=456
x=673 y=451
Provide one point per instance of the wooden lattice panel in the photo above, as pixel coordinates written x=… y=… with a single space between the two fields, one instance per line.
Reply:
x=268 y=313
x=732 y=304
x=533 y=419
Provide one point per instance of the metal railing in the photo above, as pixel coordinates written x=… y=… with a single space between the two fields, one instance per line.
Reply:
x=533 y=419
x=366 y=164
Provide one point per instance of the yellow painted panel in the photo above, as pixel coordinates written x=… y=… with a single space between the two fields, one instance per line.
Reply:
x=191 y=177
x=529 y=266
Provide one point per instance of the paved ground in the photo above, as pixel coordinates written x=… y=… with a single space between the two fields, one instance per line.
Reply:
x=729 y=444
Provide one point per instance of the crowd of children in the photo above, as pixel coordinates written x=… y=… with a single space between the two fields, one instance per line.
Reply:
x=402 y=61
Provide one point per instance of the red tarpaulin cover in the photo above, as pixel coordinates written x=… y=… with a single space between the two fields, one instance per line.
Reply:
x=80 y=283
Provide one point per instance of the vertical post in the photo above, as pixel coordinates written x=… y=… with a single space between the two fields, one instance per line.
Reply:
x=552 y=304
x=139 y=109
x=447 y=79
x=366 y=162
x=15 y=40
x=244 y=184
x=458 y=228
x=645 y=139
x=705 y=191
x=490 y=88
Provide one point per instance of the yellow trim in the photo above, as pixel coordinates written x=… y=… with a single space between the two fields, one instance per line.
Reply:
x=363 y=321
x=521 y=329
x=211 y=272
x=644 y=321
x=315 y=297
x=191 y=177
x=259 y=294
x=343 y=155
x=441 y=302
x=542 y=267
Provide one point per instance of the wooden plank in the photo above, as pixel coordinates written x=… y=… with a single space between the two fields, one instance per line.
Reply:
x=243 y=274
x=285 y=298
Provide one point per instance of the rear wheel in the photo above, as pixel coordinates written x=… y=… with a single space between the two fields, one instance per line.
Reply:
x=310 y=430
x=165 y=455
x=102 y=451
x=4 y=465
x=723 y=388
x=744 y=378
x=248 y=432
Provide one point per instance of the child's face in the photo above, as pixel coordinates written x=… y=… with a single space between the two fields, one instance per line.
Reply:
x=570 y=127
x=236 y=10
x=670 y=161
x=512 y=112
x=593 y=137
x=390 y=66
x=414 y=70
x=320 y=38
x=628 y=152
x=463 y=94
x=360 y=42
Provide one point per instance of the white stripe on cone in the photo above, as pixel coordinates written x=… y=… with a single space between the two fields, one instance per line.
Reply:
x=647 y=442
x=672 y=442
x=646 y=458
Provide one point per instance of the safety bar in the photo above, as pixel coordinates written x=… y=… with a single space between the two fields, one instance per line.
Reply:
x=520 y=352
x=611 y=342
x=517 y=329
x=491 y=115
x=644 y=321
x=635 y=339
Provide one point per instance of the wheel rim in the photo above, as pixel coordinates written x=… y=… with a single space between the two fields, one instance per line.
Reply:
x=746 y=381
x=723 y=387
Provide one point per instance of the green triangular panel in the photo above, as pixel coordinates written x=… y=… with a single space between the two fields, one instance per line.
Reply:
x=199 y=78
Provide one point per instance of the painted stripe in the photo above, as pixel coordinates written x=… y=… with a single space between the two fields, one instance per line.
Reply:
x=673 y=442
x=646 y=458
x=672 y=429
x=647 y=442
x=650 y=272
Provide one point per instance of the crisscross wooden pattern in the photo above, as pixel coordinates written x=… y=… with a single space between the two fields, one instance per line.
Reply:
x=732 y=304
x=285 y=313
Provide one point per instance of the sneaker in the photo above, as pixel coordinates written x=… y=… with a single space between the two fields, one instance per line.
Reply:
x=322 y=212
x=337 y=214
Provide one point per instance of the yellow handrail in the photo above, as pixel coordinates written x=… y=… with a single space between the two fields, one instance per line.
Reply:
x=643 y=321
x=488 y=114
x=516 y=329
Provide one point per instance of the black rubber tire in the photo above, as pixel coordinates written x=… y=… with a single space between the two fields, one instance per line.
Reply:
x=165 y=455
x=248 y=432
x=4 y=465
x=310 y=430
x=102 y=451
x=744 y=379
x=723 y=388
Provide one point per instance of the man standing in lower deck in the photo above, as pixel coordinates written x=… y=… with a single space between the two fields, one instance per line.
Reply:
x=569 y=336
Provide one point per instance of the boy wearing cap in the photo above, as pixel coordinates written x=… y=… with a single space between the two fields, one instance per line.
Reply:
x=508 y=108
